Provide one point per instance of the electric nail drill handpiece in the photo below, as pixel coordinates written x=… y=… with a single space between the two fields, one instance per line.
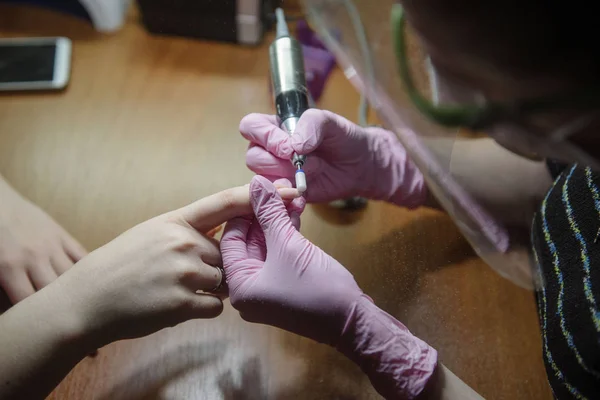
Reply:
x=289 y=87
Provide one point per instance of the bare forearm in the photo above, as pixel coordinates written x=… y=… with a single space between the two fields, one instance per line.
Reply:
x=40 y=342
x=444 y=385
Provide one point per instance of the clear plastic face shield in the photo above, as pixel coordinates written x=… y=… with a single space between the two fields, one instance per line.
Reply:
x=373 y=44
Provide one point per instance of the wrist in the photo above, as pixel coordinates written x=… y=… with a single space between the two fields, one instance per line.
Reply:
x=50 y=314
x=396 y=178
x=398 y=364
x=70 y=311
x=41 y=343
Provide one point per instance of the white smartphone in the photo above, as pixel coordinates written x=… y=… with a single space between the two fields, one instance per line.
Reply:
x=35 y=63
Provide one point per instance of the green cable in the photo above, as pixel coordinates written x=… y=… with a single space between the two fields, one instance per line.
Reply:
x=449 y=116
x=477 y=117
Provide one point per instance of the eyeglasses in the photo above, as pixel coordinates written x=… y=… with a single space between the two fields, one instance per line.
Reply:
x=479 y=117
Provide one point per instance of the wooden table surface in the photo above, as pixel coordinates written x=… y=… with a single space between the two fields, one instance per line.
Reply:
x=151 y=123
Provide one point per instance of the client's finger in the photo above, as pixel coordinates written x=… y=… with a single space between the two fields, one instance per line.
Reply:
x=217 y=209
x=73 y=248
x=205 y=306
x=204 y=277
x=42 y=275
x=17 y=286
x=61 y=262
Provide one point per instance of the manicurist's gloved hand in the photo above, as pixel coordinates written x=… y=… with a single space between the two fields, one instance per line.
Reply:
x=343 y=159
x=277 y=277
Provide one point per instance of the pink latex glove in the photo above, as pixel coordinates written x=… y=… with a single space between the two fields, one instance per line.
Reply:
x=277 y=277
x=343 y=159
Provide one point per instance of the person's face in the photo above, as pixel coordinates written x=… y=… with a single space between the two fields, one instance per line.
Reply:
x=473 y=55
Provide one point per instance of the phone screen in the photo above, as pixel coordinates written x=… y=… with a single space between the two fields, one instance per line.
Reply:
x=27 y=63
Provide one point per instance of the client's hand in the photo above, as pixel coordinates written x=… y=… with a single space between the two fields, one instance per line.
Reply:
x=155 y=275
x=34 y=249
x=277 y=277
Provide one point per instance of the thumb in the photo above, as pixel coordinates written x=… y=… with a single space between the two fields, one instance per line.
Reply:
x=320 y=128
x=264 y=131
x=270 y=211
